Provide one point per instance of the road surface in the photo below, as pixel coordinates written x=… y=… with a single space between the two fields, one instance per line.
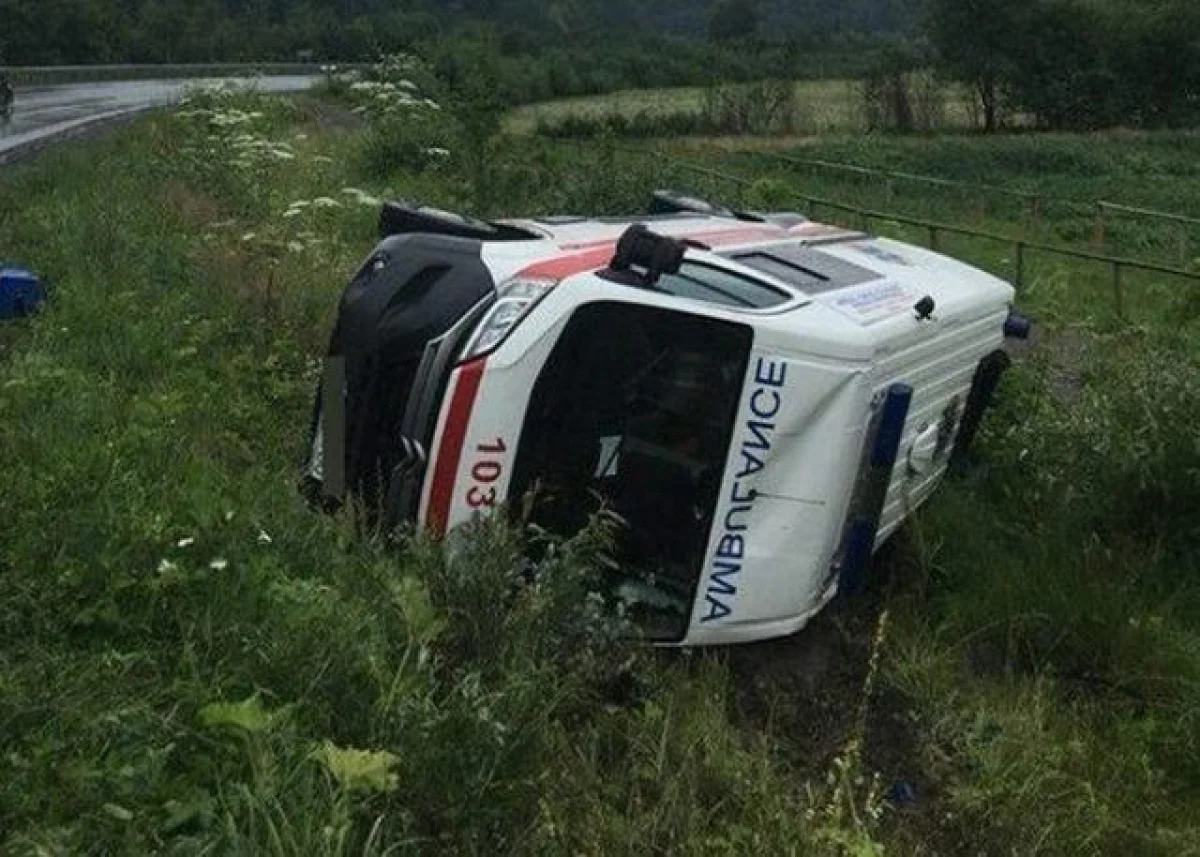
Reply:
x=44 y=113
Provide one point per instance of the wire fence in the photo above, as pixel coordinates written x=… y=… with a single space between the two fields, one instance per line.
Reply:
x=1035 y=202
x=863 y=218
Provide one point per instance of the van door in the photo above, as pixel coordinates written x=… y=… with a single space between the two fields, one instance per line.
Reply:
x=633 y=412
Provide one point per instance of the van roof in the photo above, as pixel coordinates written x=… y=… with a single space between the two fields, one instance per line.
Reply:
x=574 y=233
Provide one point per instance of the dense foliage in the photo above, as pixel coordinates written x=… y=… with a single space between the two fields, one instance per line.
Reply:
x=111 y=31
x=1074 y=63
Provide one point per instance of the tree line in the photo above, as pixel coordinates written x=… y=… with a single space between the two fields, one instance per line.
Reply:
x=1066 y=64
x=537 y=50
x=50 y=32
x=1073 y=64
x=54 y=32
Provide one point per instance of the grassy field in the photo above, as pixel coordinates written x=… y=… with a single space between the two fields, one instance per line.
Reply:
x=192 y=662
x=1069 y=174
x=823 y=106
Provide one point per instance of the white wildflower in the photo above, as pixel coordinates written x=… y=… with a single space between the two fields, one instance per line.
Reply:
x=219 y=564
x=362 y=197
x=185 y=542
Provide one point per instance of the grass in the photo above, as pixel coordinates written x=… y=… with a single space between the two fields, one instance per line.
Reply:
x=1069 y=174
x=193 y=662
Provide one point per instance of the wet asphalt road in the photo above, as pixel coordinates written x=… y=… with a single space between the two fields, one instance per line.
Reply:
x=41 y=113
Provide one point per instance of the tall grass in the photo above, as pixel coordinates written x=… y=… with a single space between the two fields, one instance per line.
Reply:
x=194 y=662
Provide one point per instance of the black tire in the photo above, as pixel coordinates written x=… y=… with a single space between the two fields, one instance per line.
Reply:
x=402 y=218
x=674 y=202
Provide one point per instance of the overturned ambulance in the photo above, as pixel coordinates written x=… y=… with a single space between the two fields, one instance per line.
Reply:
x=760 y=399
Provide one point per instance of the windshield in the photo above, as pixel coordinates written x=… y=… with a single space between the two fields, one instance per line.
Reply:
x=633 y=411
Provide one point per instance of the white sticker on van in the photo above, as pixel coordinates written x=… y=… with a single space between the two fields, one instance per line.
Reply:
x=872 y=303
x=882 y=254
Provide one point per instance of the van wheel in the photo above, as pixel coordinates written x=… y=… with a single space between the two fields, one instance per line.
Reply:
x=400 y=218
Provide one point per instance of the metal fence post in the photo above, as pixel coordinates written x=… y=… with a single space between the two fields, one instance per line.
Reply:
x=979 y=212
x=1098 y=233
x=1118 y=290
x=1019 y=264
x=934 y=238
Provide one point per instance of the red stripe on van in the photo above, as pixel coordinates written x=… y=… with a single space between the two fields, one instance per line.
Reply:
x=561 y=267
x=596 y=255
x=441 y=495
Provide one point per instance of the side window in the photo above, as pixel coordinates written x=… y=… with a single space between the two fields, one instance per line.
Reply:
x=634 y=411
x=717 y=286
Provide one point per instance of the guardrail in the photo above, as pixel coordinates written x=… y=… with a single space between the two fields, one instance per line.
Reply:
x=46 y=75
x=1021 y=247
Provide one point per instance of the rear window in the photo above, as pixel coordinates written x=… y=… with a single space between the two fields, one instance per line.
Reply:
x=716 y=286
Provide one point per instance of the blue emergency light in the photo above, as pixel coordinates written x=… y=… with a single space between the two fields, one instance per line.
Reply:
x=864 y=523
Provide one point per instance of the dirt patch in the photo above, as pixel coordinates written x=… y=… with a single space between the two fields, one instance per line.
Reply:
x=194 y=208
x=807 y=692
x=742 y=144
x=232 y=270
x=1067 y=353
x=325 y=116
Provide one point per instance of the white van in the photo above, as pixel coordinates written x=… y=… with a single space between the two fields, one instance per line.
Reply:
x=760 y=398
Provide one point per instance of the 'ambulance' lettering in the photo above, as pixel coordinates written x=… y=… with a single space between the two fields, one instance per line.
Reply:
x=758 y=434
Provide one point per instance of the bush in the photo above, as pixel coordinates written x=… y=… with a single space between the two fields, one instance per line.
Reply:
x=1054 y=658
x=1073 y=64
x=762 y=108
x=408 y=129
x=887 y=93
x=765 y=108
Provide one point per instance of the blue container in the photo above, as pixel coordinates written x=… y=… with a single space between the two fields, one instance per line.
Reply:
x=21 y=293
